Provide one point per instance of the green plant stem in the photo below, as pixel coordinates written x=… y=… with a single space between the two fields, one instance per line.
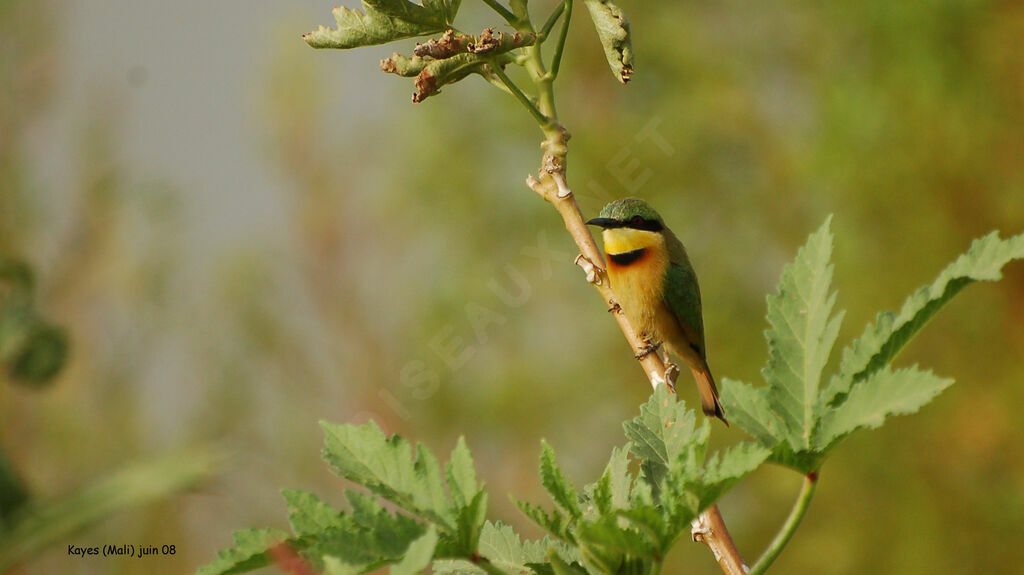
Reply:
x=543 y=109
x=555 y=135
x=552 y=19
x=556 y=60
x=502 y=11
x=803 y=501
x=545 y=87
x=519 y=94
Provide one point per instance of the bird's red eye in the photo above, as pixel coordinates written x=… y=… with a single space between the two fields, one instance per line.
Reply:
x=637 y=220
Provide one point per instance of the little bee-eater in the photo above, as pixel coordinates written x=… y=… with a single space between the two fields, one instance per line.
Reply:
x=657 y=288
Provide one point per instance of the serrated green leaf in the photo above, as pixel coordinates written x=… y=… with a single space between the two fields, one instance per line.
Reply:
x=598 y=496
x=621 y=481
x=605 y=543
x=248 y=552
x=748 y=408
x=642 y=493
x=613 y=31
x=663 y=432
x=419 y=554
x=647 y=521
x=801 y=335
x=691 y=487
x=501 y=545
x=371 y=516
x=368 y=538
x=723 y=469
x=598 y=556
x=366 y=510
x=611 y=491
x=561 y=489
x=504 y=549
x=386 y=467
x=469 y=522
x=562 y=567
x=555 y=523
x=461 y=473
x=679 y=504
x=801 y=461
x=428 y=476
x=883 y=339
x=883 y=393
x=308 y=515
x=383 y=21
x=356 y=547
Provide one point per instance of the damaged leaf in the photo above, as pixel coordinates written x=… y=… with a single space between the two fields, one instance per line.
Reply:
x=613 y=31
x=383 y=21
x=454 y=56
x=440 y=72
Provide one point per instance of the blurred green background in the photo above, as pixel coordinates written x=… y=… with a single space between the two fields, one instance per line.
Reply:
x=245 y=236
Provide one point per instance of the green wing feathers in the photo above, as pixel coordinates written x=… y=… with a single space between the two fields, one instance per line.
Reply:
x=682 y=294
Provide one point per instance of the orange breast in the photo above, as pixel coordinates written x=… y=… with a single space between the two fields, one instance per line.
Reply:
x=638 y=287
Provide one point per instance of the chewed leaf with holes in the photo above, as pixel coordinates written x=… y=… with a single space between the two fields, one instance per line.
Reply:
x=383 y=21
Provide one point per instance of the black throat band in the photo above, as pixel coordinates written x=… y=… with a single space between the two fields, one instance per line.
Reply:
x=626 y=258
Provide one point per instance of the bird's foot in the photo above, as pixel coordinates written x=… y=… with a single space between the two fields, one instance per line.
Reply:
x=671 y=375
x=593 y=272
x=647 y=350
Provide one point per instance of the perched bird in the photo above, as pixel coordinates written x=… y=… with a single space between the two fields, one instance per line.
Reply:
x=657 y=288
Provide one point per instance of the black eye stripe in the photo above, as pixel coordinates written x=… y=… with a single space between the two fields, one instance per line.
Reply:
x=643 y=224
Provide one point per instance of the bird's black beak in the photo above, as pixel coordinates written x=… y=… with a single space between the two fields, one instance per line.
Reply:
x=605 y=223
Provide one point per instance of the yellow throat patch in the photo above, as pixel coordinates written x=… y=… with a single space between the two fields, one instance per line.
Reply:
x=638 y=282
x=622 y=240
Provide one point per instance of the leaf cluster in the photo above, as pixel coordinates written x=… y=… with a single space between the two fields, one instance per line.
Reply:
x=629 y=518
x=800 y=417
x=653 y=487
x=443 y=511
x=455 y=55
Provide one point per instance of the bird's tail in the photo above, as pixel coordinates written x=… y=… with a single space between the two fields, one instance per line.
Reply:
x=708 y=392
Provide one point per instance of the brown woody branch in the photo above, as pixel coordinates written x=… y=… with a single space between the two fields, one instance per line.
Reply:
x=709 y=528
